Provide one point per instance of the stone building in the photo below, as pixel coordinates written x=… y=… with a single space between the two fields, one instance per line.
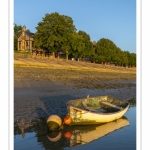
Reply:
x=26 y=41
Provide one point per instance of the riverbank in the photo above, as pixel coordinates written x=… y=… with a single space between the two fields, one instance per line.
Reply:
x=42 y=87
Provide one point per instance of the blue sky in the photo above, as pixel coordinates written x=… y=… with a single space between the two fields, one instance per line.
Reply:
x=115 y=20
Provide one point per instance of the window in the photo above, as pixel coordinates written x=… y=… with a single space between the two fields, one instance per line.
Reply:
x=19 y=45
x=27 y=44
x=32 y=43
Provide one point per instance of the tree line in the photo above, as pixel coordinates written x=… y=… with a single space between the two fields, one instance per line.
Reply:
x=57 y=33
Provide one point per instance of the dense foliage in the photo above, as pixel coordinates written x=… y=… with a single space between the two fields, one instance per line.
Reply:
x=57 y=33
x=107 y=52
x=17 y=31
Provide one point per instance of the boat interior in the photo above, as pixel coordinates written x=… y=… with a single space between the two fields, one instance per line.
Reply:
x=101 y=104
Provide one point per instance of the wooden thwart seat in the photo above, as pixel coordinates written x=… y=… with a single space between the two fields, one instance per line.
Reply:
x=111 y=105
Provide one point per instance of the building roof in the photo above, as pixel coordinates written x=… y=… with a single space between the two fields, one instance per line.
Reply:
x=30 y=34
x=94 y=43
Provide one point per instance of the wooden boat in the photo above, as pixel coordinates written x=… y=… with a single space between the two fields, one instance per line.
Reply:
x=96 y=110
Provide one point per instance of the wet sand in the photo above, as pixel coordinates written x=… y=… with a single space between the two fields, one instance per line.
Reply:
x=42 y=87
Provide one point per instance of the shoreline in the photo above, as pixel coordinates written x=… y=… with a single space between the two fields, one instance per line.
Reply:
x=41 y=92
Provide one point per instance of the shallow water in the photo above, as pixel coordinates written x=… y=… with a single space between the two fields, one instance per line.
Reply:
x=120 y=134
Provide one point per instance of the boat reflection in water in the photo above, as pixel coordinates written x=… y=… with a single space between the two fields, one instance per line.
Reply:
x=80 y=135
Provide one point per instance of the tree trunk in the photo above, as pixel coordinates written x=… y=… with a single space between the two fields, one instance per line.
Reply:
x=53 y=55
x=66 y=54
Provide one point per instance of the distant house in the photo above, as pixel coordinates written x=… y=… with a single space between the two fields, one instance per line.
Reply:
x=26 y=41
x=26 y=44
x=94 y=43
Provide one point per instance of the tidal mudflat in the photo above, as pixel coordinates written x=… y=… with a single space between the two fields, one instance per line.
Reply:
x=41 y=91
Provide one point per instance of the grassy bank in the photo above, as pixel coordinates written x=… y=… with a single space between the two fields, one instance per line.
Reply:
x=59 y=70
x=40 y=62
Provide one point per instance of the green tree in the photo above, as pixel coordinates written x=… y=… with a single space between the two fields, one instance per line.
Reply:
x=77 y=45
x=17 y=31
x=55 y=32
x=88 y=49
x=124 y=58
x=106 y=50
x=116 y=56
x=131 y=59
